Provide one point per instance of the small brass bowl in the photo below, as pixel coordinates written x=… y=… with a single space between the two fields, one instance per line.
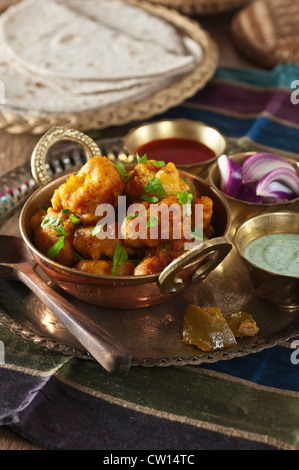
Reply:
x=181 y=129
x=242 y=210
x=277 y=289
x=125 y=292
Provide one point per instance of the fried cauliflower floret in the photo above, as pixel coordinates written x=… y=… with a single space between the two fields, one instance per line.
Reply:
x=144 y=173
x=90 y=246
x=98 y=182
x=139 y=176
x=207 y=211
x=166 y=221
x=157 y=224
x=172 y=225
x=46 y=237
x=134 y=231
x=155 y=262
x=36 y=219
x=171 y=180
x=104 y=268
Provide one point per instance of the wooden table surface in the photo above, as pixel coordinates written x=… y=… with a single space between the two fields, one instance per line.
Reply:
x=17 y=149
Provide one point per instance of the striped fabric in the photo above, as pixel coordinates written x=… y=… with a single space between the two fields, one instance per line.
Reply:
x=251 y=105
x=246 y=403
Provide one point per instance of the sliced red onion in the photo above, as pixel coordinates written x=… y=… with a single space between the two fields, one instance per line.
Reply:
x=281 y=183
x=230 y=175
x=247 y=193
x=260 y=164
x=277 y=194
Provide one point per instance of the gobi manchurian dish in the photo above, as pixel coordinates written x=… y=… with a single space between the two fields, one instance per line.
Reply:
x=107 y=221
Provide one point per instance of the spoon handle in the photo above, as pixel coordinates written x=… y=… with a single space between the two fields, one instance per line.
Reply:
x=111 y=354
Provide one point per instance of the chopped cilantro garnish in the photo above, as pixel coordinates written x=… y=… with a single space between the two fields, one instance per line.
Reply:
x=152 y=221
x=154 y=186
x=119 y=258
x=185 y=180
x=122 y=171
x=97 y=229
x=132 y=216
x=144 y=159
x=137 y=261
x=74 y=219
x=55 y=249
x=51 y=221
x=78 y=256
x=185 y=198
x=56 y=223
x=146 y=197
x=198 y=234
x=60 y=230
x=44 y=208
x=141 y=159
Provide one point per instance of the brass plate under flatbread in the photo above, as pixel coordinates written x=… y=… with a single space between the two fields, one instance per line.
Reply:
x=266 y=31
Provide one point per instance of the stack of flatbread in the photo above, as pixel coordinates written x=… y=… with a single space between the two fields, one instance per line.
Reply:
x=64 y=56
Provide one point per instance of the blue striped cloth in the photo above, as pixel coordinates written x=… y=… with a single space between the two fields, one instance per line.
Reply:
x=260 y=106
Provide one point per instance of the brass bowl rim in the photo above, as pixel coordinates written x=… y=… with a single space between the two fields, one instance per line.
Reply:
x=57 y=267
x=184 y=121
x=263 y=215
x=258 y=204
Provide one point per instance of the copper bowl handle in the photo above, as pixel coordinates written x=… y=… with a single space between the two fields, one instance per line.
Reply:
x=54 y=135
x=169 y=282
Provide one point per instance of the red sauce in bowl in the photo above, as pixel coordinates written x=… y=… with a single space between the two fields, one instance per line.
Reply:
x=176 y=150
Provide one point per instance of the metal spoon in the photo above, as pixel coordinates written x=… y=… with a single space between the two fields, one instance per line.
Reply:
x=16 y=262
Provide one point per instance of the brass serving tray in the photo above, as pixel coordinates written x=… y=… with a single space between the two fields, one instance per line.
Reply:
x=153 y=335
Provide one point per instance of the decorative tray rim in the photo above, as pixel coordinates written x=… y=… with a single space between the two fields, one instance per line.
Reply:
x=7 y=321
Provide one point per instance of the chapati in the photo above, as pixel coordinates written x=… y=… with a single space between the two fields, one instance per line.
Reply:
x=24 y=95
x=51 y=39
x=66 y=56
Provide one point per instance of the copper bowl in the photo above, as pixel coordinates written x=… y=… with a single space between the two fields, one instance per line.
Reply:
x=277 y=289
x=178 y=128
x=123 y=291
x=242 y=210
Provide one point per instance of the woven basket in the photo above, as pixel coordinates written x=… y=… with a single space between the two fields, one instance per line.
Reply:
x=267 y=32
x=201 y=7
x=139 y=111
